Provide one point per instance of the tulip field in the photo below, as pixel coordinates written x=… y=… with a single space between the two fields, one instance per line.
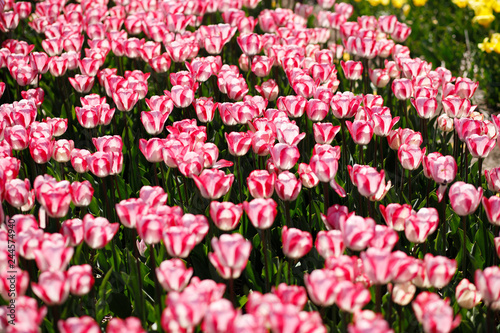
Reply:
x=233 y=166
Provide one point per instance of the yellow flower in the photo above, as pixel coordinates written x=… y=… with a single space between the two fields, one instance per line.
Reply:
x=346 y=57
x=483 y=19
x=374 y=2
x=385 y=2
x=406 y=9
x=419 y=3
x=398 y=3
x=460 y=3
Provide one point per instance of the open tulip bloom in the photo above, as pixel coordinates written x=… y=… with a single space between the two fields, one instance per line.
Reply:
x=170 y=165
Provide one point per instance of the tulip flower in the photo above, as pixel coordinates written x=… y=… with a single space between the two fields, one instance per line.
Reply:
x=395 y=215
x=492 y=208
x=358 y=231
x=73 y=231
x=439 y=270
x=230 y=256
x=464 y=198
x=284 y=156
x=296 y=243
x=130 y=324
x=421 y=224
x=321 y=286
x=97 y=231
x=369 y=181
x=173 y=275
x=81 y=279
x=52 y=287
x=467 y=294
x=261 y=212
x=225 y=215
x=352 y=297
x=261 y=183
x=287 y=186
x=213 y=183
x=493 y=179
x=353 y=70
x=330 y=243
x=480 y=146
x=78 y=324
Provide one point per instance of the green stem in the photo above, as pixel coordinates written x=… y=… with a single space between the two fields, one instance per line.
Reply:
x=464 y=246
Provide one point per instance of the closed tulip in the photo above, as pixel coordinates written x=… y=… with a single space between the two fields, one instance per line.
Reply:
x=225 y=215
x=52 y=287
x=230 y=256
x=261 y=212
x=492 y=208
x=296 y=243
x=464 y=198
x=97 y=231
x=173 y=275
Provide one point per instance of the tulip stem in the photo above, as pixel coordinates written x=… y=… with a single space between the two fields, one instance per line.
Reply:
x=155 y=171
x=56 y=315
x=480 y=166
x=464 y=246
x=287 y=213
x=179 y=189
x=157 y=284
x=231 y=289
x=290 y=271
x=240 y=177
x=105 y=191
x=409 y=187
x=326 y=198
x=378 y=298
x=343 y=154
x=266 y=263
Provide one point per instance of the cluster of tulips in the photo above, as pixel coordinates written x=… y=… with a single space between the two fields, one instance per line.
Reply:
x=205 y=211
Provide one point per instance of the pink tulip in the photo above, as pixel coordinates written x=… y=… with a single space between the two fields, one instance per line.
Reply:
x=421 y=224
x=179 y=241
x=401 y=32
x=130 y=324
x=377 y=265
x=488 y=284
x=17 y=192
x=361 y=131
x=296 y=243
x=367 y=319
x=358 y=231
x=225 y=215
x=493 y=179
x=284 y=156
x=81 y=193
x=295 y=106
x=384 y=238
x=369 y=181
x=97 y=231
x=492 y=208
x=352 y=297
x=52 y=287
x=410 y=156
x=324 y=133
x=395 y=215
x=480 y=146
x=261 y=184
x=13 y=284
x=250 y=44
x=238 y=143
x=173 y=275
x=219 y=317
x=336 y=216
x=464 y=198
x=402 y=88
x=213 y=183
x=467 y=294
x=434 y=313
x=287 y=186
x=230 y=256
x=81 y=279
x=85 y=324
x=261 y=212
x=440 y=270
x=403 y=293
x=352 y=69
x=205 y=109
x=268 y=89
x=154 y=121
x=73 y=231
x=330 y=243
x=100 y=163
x=321 y=286
x=307 y=176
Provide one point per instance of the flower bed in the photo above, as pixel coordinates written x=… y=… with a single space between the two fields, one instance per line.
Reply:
x=232 y=166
